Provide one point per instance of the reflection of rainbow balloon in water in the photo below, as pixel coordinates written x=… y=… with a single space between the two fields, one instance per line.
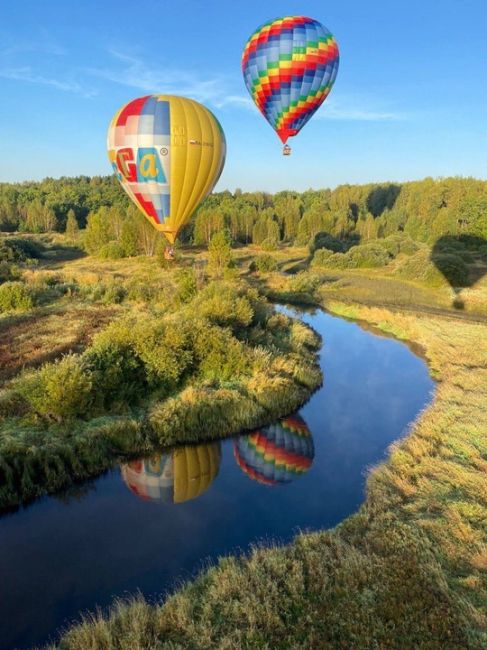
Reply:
x=181 y=475
x=278 y=453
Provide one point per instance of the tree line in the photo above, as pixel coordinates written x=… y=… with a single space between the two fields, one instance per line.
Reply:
x=425 y=210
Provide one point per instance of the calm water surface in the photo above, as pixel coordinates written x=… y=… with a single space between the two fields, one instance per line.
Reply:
x=151 y=523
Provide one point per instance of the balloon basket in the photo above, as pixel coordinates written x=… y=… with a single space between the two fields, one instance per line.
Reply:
x=169 y=253
x=286 y=151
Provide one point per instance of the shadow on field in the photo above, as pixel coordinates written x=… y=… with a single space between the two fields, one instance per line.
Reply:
x=462 y=260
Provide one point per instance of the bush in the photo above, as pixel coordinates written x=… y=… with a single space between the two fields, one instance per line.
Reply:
x=304 y=282
x=166 y=350
x=111 y=251
x=322 y=257
x=20 y=250
x=15 y=296
x=186 y=283
x=420 y=267
x=221 y=357
x=61 y=390
x=270 y=244
x=118 y=372
x=225 y=305
x=368 y=256
x=398 y=243
x=263 y=264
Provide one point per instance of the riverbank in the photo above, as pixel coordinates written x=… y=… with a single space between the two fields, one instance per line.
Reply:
x=408 y=570
x=215 y=363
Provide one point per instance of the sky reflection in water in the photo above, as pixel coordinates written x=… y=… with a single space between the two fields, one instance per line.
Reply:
x=153 y=522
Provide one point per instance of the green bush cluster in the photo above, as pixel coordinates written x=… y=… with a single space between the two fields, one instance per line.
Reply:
x=15 y=296
x=226 y=345
x=263 y=264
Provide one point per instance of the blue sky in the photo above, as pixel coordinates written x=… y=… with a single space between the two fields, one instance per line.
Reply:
x=409 y=101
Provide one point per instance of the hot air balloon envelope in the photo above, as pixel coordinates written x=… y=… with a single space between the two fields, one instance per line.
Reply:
x=168 y=153
x=179 y=476
x=278 y=453
x=289 y=66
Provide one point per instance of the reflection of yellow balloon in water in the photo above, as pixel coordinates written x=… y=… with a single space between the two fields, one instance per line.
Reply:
x=181 y=475
x=168 y=153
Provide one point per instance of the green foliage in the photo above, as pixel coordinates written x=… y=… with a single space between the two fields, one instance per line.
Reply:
x=72 y=227
x=15 y=296
x=224 y=305
x=419 y=267
x=187 y=284
x=60 y=391
x=368 y=256
x=263 y=264
x=117 y=370
x=219 y=253
x=97 y=233
x=324 y=240
x=111 y=251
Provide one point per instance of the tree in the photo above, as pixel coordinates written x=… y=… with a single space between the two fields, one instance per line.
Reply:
x=72 y=227
x=220 y=253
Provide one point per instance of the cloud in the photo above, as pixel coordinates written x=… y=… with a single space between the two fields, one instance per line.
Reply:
x=136 y=73
x=27 y=74
x=358 y=109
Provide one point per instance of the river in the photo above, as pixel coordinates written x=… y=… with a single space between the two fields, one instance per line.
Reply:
x=149 y=524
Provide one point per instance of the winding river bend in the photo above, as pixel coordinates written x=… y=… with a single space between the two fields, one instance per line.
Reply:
x=149 y=524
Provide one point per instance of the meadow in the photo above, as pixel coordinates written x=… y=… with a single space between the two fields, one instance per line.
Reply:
x=108 y=351
x=408 y=570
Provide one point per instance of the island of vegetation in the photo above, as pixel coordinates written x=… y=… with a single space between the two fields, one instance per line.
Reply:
x=107 y=351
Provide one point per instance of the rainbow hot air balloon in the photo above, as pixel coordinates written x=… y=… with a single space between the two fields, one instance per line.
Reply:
x=278 y=453
x=289 y=66
x=168 y=153
x=178 y=476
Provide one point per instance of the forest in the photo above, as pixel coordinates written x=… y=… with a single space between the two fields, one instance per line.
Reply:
x=425 y=210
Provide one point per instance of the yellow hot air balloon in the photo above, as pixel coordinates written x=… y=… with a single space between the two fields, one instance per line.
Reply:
x=168 y=153
x=179 y=476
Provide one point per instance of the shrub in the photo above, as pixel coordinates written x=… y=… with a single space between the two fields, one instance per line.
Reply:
x=304 y=282
x=61 y=390
x=263 y=264
x=368 y=256
x=15 y=296
x=225 y=305
x=219 y=253
x=166 y=350
x=270 y=244
x=322 y=257
x=398 y=243
x=221 y=357
x=420 y=267
x=118 y=372
x=111 y=251
x=186 y=283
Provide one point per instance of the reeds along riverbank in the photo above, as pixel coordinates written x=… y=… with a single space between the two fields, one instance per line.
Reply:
x=221 y=363
x=407 y=571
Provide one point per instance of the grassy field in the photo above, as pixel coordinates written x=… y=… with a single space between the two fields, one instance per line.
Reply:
x=409 y=570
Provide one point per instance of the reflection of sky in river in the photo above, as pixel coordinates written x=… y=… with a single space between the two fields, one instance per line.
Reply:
x=57 y=558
